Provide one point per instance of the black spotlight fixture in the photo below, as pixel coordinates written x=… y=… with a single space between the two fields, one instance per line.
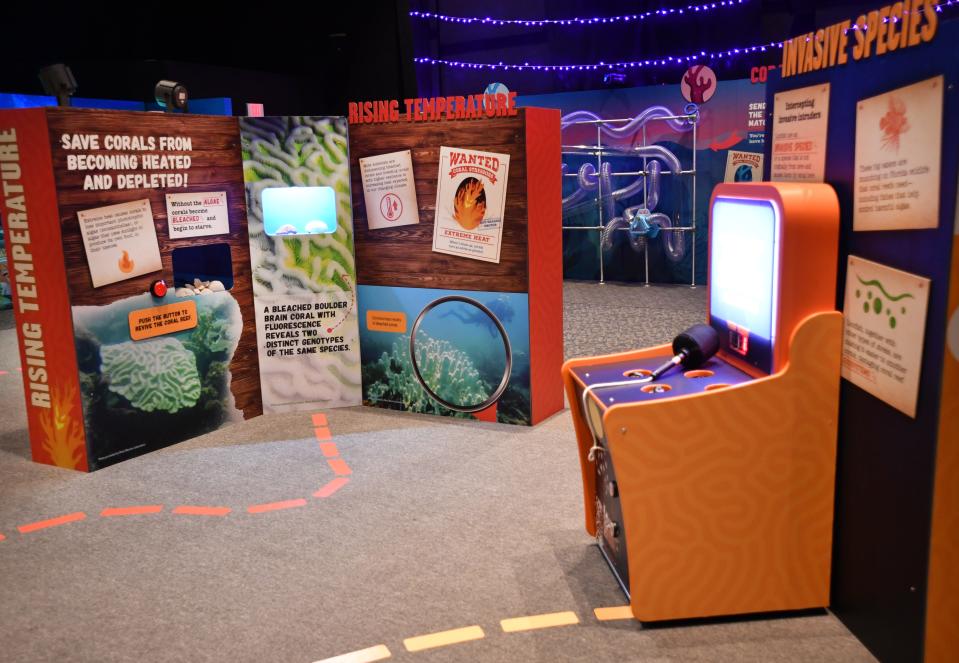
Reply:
x=171 y=96
x=58 y=80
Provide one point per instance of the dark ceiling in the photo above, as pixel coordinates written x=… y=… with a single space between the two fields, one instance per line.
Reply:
x=314 y=57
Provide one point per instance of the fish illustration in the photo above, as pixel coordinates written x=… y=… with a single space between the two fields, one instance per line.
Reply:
x=500 y=307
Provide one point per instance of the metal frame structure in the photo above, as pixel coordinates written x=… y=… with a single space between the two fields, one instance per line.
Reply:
x=599 y=151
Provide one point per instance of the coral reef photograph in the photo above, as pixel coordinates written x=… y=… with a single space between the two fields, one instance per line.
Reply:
x=142 y=395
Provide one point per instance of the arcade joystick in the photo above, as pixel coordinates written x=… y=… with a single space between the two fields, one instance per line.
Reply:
x=693 y=348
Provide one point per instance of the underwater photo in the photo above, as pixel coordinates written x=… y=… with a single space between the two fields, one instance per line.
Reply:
x=459 y=353
x=143 y=395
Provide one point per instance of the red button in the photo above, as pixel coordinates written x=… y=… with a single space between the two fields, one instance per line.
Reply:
x=158 y=288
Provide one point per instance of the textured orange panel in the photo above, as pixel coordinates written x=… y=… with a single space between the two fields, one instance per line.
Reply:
x=942 y=610
x=583 y=437
x=727 y=496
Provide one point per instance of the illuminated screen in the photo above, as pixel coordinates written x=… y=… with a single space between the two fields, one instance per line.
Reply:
x=743 y=267
x=299 y=210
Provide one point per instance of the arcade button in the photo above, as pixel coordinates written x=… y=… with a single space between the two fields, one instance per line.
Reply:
x=158 y=288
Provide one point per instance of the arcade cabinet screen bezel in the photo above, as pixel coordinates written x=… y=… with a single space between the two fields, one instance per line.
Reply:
x=751 y=346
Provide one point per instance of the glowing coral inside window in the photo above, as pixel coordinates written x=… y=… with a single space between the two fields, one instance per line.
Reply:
x=743 y=264
x=299 y=210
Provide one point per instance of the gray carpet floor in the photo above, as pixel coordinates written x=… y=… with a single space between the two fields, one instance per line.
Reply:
x=443 y=524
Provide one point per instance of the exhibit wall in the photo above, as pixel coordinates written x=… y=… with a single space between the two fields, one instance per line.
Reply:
x=879 y=128
x=122 y=200
x=729 y=132
x=458 y=265
x=297 y=178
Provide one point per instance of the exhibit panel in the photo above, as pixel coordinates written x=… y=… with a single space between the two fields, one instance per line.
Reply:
x=459 y=264
x=297 y=176
x=880 y=123
x=710 y=490
x=148 y=211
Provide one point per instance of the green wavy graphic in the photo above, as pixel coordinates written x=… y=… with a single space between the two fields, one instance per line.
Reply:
x=892 y=298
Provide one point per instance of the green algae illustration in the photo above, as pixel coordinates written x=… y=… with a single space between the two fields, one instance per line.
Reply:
x=876 y=302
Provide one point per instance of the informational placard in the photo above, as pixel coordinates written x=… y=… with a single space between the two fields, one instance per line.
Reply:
x=898 y=152
x=120 y=241
x=386 y=321
x=470 y=202
x=885 y=323
x=307 y=325
x=389 y=190
x=800 y=120
x=159 y=320
x=744 y=166
x=197 y=214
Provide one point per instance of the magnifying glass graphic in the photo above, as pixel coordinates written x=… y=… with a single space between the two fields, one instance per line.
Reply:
x=459 y=349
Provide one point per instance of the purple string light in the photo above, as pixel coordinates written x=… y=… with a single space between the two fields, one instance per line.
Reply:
x=578 y=21
x=652 y=62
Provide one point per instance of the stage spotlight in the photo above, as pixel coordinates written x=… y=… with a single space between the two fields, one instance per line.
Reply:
x=171 y=95
x=58 y=80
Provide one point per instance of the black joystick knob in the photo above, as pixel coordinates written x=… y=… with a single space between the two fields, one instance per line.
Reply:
x=697 y=344
x=693 y=347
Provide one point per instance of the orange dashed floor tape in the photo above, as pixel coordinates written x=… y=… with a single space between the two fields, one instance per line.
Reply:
x=52 y=522
x=189 y=510
x=328 y=448
x=339 y=466
x=131 y=510
x=276 y=506
x=331 y=487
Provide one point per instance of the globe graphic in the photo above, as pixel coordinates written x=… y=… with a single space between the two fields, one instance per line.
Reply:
x=494 y=88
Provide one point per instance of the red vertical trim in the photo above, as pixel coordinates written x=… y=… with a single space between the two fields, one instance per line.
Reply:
x=41 y=304
x=545 y=248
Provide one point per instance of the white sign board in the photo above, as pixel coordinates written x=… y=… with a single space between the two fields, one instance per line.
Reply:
x=120 y=241
x=389 y=190
x=800 y=121
x=885 y=323
x=898 y=151
x=197 y=214
x=470 y=202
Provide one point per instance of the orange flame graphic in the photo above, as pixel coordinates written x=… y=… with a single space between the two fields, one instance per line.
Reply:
x=63 y=440
x=469 y=204
x=125 y=264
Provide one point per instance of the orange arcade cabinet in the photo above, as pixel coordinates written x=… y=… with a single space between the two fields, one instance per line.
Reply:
x=710 y=491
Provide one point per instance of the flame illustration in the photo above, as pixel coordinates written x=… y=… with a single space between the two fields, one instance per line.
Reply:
x=125 y=264
x=63 y=439
x=469 y=203
x=894 y=124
